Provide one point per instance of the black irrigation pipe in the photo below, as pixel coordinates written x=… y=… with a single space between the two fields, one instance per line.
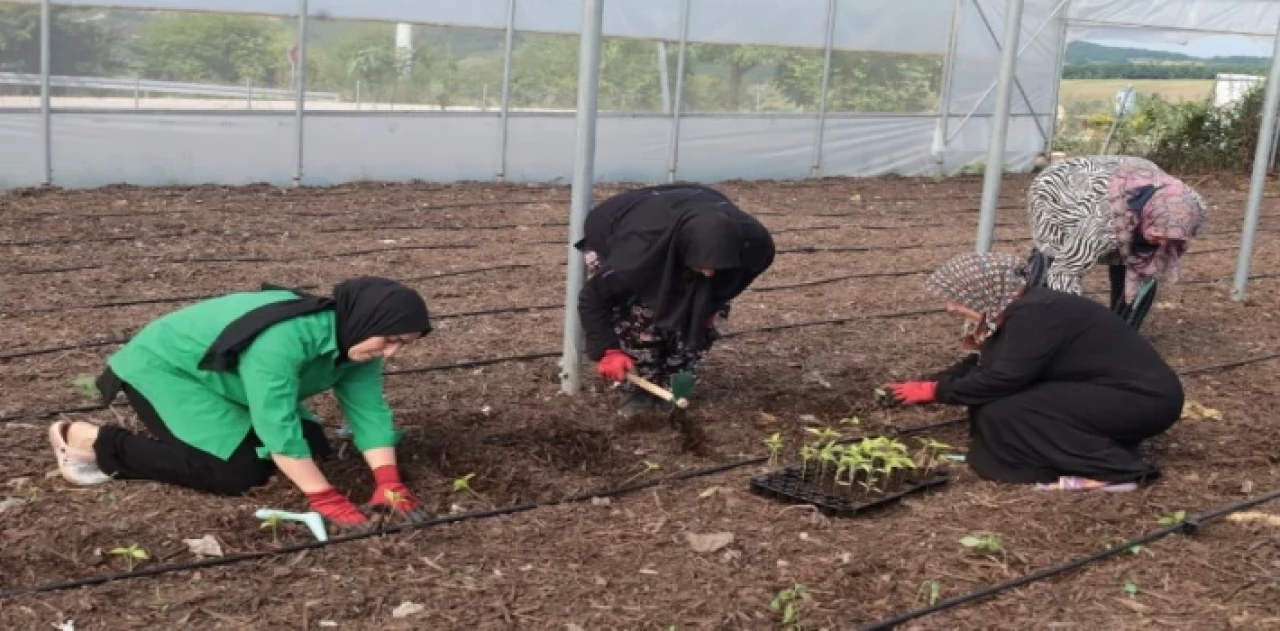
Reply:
x=1189 y=526
x=442 y=521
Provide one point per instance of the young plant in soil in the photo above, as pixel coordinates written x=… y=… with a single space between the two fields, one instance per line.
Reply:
x=648 y=468
x=930 y=451
x=1174 y=519
x=988 y=546
x=272 y=523
x=787 y=605
x=774 y=445
x=86 y=385
x=131 y=555
x=463 y=485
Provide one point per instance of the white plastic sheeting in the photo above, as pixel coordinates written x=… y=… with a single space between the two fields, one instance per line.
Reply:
x=1172 y=20
x=96 y=149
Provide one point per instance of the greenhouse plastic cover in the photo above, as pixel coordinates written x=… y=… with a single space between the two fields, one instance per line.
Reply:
x=93 y=147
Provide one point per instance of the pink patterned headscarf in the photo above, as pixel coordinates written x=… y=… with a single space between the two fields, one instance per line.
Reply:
x=985 y=283
x=1174 y=213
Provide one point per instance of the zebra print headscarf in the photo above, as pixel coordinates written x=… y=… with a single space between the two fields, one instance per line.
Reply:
x=985 y=283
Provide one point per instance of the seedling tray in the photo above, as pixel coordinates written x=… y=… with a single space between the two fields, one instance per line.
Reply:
x=790 y=486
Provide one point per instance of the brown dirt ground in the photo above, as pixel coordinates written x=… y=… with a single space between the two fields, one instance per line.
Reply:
x=624 y=563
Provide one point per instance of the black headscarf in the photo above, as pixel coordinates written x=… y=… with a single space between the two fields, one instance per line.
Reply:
x=363 y=307
x=653 y=237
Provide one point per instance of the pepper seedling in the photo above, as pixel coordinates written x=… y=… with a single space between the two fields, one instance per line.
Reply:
x=131 y=555
x=787 y=605
x=272 y=523
x=463 y=485
x=1174 y=519
x=86 y=385
x=774 y=444
x=988 y=545
x=648 y=467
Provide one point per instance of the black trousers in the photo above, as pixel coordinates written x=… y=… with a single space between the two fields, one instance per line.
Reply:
x=165 y=458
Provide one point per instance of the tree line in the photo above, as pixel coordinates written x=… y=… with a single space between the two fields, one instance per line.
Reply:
x=459 y=66
x=1158 y=71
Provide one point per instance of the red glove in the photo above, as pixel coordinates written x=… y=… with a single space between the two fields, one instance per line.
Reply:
x=915 y=391
x=615 y=365
x=337 y=509
x=391 y=492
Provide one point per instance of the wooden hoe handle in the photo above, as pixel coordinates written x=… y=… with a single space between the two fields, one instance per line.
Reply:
x=656 y=390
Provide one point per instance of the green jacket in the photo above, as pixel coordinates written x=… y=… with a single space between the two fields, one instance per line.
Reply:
x=287 y=363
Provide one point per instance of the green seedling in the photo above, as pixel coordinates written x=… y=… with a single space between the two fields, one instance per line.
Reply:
x=988 y=545
x=463 y=485
x=131 y=555
x=787 y=605
x=648 y=468
x=824 y=435
x=1131 y=589
x=935 y=592
x=885 y=398
x=807 y=453
x=86 y=385
x=930 y=451
x=272 y=523
x=1112 y=542
x=851 y=420
x=1174 y=519
x=774 y=444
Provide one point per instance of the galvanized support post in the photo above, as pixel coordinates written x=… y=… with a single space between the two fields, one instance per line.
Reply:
x=46 y=63
x=940 y=139
x=677 y=101
x=999 y=125
x=300 y=88
x=664 y=78
x=1057 y=81
x=1259 y=178
x=581 y=194
x=816 y=164
x=505 y=108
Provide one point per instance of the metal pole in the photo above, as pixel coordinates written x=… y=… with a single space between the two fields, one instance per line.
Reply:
x=484 y=98
x=816 y=169
x=1017 y=84
x=948 y=77
x=46 y=61
x=1057 y=83
x=1259 y=178
x=999 y=125
x=301 y=89
x=505 y=110
x=137 y=91
x=358 y=95
x=1275 y=140
x=664 y=77
x=673 y=146
x=580 y=197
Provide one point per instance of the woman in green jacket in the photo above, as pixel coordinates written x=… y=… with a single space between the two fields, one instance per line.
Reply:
x=220 y=386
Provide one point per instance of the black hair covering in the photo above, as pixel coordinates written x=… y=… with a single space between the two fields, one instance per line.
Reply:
x=364 y=307
x=653 y=237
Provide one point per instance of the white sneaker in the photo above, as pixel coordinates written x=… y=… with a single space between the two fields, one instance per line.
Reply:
x=78 y=466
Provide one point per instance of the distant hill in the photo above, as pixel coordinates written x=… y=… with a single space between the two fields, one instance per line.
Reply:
x=1079 y=53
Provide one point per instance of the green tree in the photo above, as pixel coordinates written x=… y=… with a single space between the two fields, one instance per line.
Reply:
x=735 y=63
x=80 y=47
x=863 y=81
x=215 y=48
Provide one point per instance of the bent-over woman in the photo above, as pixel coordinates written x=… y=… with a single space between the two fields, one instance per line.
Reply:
x=1119 y=210
x=220 y=386
x=1061 y=392
x=663 y=264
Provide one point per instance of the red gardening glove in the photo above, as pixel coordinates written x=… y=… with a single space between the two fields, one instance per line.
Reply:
x=915 y=391
x=337 y=509
x=393 y=494
x=615 y=365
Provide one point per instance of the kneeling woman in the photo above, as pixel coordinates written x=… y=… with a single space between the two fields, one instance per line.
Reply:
x=663 y=263
x=1061 y=393
x=220 y=386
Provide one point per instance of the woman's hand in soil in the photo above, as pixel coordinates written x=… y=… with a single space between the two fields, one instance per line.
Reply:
x=394 y=495
x=914 y=391
x=615 y=365
x=338 y=510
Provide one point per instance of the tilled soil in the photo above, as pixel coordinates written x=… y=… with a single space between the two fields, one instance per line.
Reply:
x=842 y=311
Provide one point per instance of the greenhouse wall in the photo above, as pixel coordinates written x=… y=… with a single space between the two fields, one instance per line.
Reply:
x=169 y=92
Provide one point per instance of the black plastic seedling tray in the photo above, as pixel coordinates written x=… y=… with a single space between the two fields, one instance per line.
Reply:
x=789 y=486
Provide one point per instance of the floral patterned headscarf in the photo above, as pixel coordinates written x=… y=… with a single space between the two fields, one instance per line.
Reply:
x=985 y=283
x=1168 y=209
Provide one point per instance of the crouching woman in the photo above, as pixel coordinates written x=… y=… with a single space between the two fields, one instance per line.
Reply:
x=219 y=386
x=1061 y=392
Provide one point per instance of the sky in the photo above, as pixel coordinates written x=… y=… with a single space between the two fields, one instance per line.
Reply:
x=1209 y=46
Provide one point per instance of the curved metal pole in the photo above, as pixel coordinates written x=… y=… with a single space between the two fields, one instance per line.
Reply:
x=999 y=125
x=580 y=197
x=1259 y=177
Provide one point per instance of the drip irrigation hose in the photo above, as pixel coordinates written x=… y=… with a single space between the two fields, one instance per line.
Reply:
x=1189 y=526
x=451 y=519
